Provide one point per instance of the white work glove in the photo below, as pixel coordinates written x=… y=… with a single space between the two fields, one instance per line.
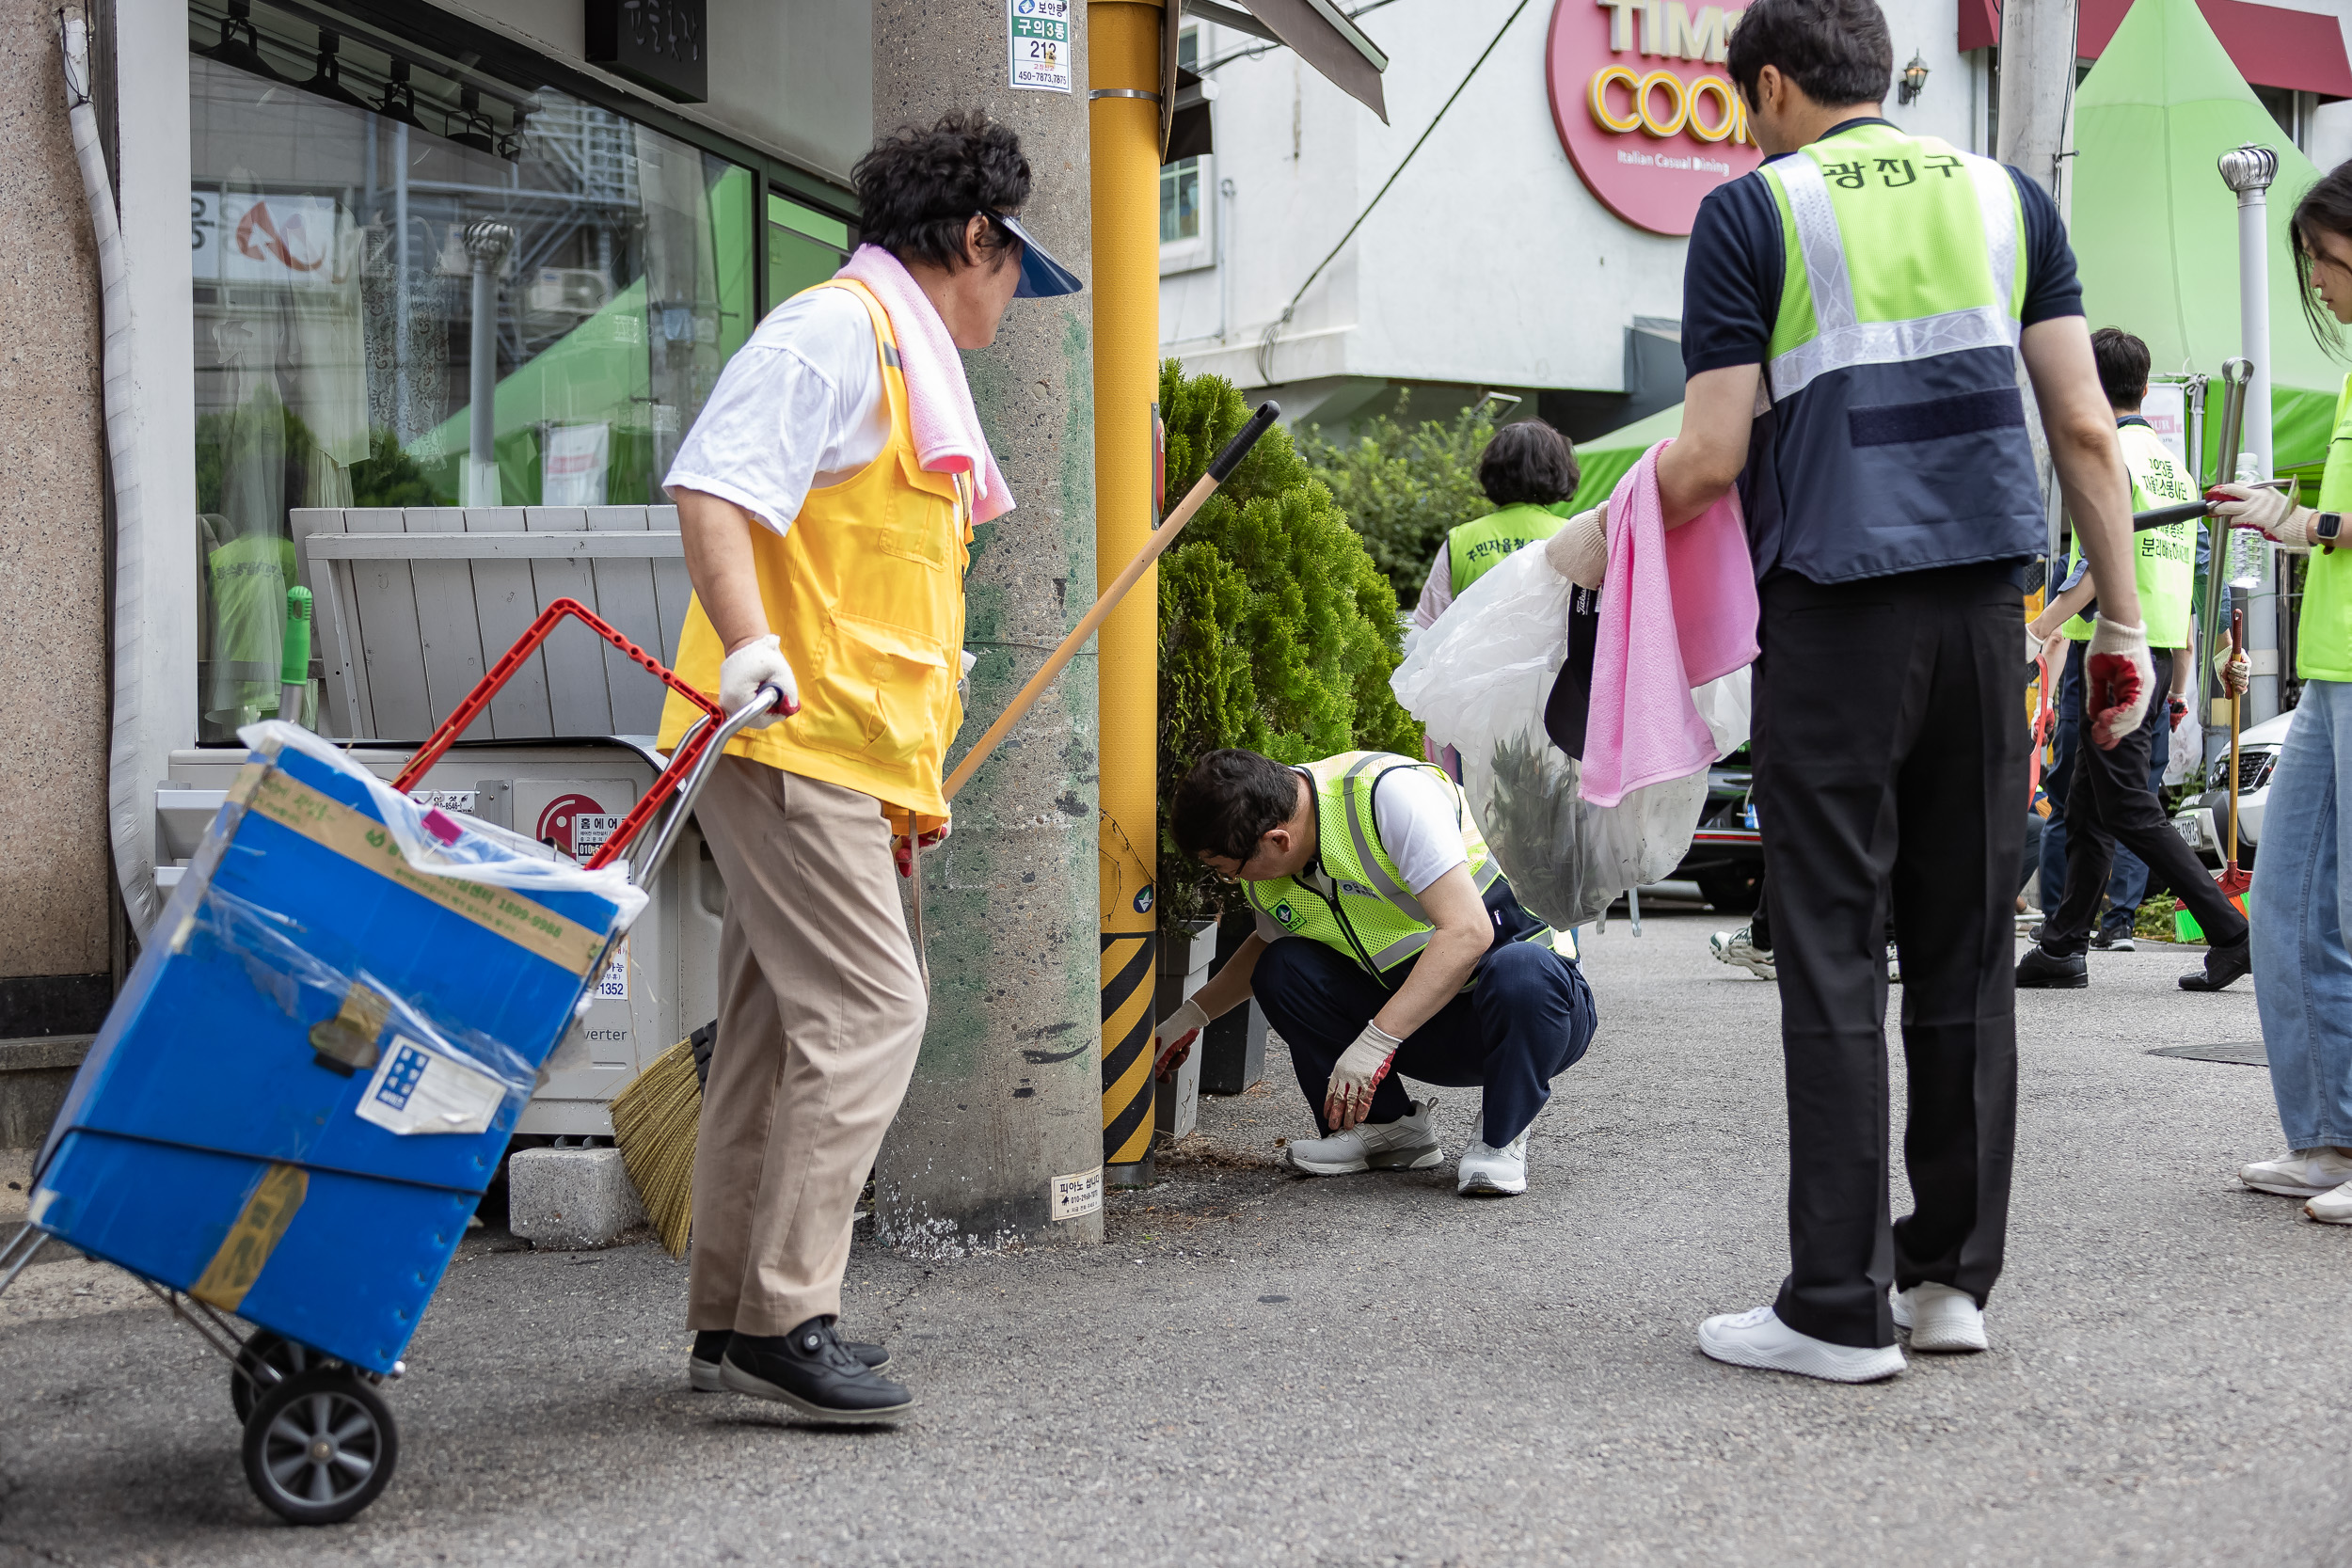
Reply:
x=1172 y=1042
x=2118 y=681
x=2267 y=510
x=1579 y=551
x=2236 y=670
x=963 y=675
x=1361 y=1068
x=749 y=668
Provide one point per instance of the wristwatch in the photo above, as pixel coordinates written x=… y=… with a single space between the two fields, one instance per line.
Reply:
x=2327 y=528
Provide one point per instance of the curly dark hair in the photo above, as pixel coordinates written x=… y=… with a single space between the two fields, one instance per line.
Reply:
x=1231 y=800
x=919 y=188
x=1528 y=463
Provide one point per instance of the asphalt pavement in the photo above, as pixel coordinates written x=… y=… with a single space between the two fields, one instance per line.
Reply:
x=1261 y=1368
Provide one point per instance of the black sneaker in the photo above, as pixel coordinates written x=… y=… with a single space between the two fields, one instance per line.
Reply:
x=2222 y=965
x=2043 y=970
x=810 y=1372
x=710 y=1345
x=2114 y=941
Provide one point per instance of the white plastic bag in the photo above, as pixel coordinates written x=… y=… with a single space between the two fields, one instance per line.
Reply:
x=1478 y=680
x=2187 y=742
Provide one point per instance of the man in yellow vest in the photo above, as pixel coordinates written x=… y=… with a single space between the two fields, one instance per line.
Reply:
x=1855 y=312
x=2109 y=796
x=827 y=550
x=1387 y=943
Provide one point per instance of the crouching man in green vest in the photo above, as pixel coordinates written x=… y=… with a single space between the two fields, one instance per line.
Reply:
x=1387 y=943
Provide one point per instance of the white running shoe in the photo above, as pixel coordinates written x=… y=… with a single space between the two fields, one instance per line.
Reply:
x=1941 y=1318
x=2304 y=1173
x=1408 y=1143
x=1739 y=949
x=2333 y=1208
x=1759 y=1338
x=1488 y=1169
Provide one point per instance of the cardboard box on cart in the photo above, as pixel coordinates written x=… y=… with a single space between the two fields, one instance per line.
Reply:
x=309 y=1079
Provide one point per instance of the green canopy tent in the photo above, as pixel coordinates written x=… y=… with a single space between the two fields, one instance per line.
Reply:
x=1605 y=459
x=2155 y=231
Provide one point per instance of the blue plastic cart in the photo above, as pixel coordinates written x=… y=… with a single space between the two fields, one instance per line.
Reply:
x=307 y=1082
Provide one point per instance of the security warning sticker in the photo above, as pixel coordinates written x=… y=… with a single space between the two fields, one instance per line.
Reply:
x=1076 y=1195
x=613 y=985
x=1041 y=44
x=416 y=1089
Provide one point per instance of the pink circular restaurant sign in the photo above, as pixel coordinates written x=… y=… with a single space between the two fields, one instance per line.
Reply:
x=1645 y=107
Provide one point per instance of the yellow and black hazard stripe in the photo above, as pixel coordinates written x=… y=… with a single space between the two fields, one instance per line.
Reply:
x=1129 y=959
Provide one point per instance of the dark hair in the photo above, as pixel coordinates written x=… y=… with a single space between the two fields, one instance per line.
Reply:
x=1528 y=461
x=1837 y=50
x=919 y=189
x=2123 y=366
x=1231 y=800
x=2326 y=209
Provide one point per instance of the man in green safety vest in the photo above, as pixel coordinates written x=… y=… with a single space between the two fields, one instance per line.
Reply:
x=1854 y=315
x=1387 y=943
x=2109 y=796
x=1528 y=472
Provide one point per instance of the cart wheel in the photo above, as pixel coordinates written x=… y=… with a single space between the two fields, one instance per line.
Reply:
x=320 y=1445
x=266 y=1360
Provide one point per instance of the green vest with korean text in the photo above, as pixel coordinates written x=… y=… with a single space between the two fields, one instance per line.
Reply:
x=2323 y=638
x=1372 y=917
x=1892 y=432
x=2164 y=560
x=1479 y=546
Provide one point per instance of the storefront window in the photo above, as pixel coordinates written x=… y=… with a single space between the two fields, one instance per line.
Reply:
x=342 y=202
x=804 y=247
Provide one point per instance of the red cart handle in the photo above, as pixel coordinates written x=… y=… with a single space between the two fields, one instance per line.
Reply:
x=681 y=762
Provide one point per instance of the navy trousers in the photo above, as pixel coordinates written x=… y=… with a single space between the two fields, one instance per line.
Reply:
x=1526 y=1020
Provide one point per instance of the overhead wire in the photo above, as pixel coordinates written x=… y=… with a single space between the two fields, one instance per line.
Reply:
x=1274 y=329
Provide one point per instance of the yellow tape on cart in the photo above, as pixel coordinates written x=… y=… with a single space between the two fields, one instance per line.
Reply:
x=269 y=1208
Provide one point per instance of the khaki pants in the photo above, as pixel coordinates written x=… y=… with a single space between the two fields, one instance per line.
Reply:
x=820 y=1014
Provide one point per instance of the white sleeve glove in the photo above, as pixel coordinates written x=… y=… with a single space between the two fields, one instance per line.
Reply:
x=2236 y=672
x=749 y=668
x=1361 y=1068
x=1579 y=551
x=2267 y=510
x=1172 y=1042
x=2118 y=680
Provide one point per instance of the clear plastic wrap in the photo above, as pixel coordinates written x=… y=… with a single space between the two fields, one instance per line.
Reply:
x=1478 y=681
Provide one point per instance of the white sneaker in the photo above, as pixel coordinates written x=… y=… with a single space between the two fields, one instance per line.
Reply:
x=2304 y=1173
x=1488 y=1169
x=2333 y=1208
x=1408 y=1143
x=1940 y=1317
x=1759 y=1338
x=1739 y=949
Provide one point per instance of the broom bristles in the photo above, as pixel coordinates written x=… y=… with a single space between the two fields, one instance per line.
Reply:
x=654 y=1122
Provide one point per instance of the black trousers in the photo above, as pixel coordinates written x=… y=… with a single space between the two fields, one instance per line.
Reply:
x=2108 y=798
x=1890 y=775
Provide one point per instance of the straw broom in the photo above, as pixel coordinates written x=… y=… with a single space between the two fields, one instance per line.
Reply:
x=655 y=1120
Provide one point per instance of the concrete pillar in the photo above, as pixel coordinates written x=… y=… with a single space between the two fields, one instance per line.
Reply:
x=1005 y=1109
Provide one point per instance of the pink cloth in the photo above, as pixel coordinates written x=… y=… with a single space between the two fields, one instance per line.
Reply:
x=1678 y=609
x=947 y=435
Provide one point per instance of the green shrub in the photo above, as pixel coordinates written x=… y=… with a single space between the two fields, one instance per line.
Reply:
x=1405 y=485
x=1277 y=631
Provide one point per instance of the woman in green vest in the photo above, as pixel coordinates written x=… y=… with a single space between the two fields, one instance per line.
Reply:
x=2301 y=900
x=1528 y=472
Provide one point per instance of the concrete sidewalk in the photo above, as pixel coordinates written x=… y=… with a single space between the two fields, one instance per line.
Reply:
x=1264 y=1369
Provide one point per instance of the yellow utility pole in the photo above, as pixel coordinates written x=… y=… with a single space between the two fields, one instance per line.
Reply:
x=1125 y=45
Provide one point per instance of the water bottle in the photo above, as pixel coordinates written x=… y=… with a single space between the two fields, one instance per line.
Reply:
x=2249 y=550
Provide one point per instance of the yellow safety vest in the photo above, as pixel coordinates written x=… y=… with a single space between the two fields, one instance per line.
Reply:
x=2164 y=560
x=865 y=595
x=2323 y=638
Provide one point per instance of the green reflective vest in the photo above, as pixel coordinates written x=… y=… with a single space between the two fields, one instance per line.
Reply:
x=1479 y=546
x=1891 y=435
x=1371 y=916
x=2322 y=639
x=2164 y=560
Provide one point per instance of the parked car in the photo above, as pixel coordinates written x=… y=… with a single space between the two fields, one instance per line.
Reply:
x=2204 y=822
x=1726 y=854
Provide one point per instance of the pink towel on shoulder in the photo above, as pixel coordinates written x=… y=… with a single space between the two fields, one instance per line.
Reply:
x=1678 y=609
x=947 y=435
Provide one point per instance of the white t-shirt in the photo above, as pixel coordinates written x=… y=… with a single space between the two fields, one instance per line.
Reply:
x=799 y=407
x=1414 y=813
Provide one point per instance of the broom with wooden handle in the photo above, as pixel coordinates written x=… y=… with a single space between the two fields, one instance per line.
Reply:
x=655 y=1117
